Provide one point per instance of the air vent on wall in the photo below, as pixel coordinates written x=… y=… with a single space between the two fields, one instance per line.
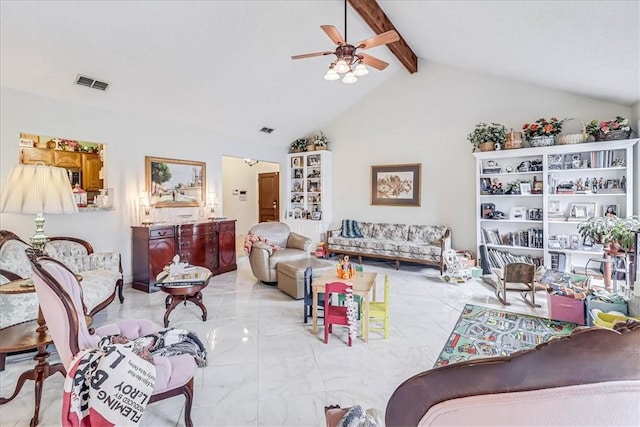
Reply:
x=266 y=130
x=91 y=82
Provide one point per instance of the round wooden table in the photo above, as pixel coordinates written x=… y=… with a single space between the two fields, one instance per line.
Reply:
x=29 y=335
x=183 y=288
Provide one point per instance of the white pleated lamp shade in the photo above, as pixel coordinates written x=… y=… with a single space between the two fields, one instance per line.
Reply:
x=34 y=189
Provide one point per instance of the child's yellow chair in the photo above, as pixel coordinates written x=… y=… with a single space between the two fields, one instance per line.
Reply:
x=379 y=312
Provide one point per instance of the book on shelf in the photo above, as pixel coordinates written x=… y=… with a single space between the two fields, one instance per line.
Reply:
x=498 y=259
x=529 y=238
x=560 y=261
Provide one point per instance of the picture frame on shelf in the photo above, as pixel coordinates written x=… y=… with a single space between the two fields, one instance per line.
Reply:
x=525 y=188
x=175 y=183
x=485 y=186
x=289 y=214
x=26 y=143
x=517 y=213
x=581 y=211
x=613 y=184
x=586 y=241
x=296 y=162
x=316 y=215
x=575 y=241
x=554 y=243
x=610 y=210
x=554 y=161
x=313 y=160
x=487 y=210
x=554 y=207
x=395 y=185
x=534 y=214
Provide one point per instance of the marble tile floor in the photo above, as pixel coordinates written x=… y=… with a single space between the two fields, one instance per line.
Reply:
x=265 y=368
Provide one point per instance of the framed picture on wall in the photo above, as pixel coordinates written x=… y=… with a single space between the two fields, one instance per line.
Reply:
x=175 y=183
x=395 y=185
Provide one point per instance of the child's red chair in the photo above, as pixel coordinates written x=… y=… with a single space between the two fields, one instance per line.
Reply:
x=336 y=314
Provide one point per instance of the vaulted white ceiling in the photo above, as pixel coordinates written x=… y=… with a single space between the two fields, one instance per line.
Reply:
x=225 y=66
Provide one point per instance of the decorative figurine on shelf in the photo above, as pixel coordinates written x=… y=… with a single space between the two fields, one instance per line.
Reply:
x=496 y=187
x=345 y=269
x=623 y=183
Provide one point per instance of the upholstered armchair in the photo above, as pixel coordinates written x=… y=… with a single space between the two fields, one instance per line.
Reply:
x=269 y=243
x=60 y=295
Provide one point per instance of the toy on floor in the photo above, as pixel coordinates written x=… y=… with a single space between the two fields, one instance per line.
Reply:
x=457 y=268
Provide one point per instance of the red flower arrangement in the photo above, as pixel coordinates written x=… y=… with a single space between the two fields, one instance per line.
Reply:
x=542 y=127
x=620 y=123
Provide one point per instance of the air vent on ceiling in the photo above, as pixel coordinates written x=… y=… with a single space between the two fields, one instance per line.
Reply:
x=266 y=130
x=92 y=83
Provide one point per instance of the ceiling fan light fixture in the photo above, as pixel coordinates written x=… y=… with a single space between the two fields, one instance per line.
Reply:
x=342 y=66
x=349 y=78
x=360 y=70
x=331 y=75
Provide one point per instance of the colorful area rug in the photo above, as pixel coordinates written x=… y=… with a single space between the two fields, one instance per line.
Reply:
x=485 y=332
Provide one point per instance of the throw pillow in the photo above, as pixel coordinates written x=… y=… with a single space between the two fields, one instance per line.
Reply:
x=350 y=229
x=250 y=238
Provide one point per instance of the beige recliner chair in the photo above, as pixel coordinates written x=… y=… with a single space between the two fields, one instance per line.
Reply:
x=264 y=260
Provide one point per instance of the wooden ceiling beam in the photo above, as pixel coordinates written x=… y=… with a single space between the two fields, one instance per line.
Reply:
x=375 y=17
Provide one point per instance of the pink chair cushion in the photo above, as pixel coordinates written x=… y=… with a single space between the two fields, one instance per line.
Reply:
x=171 y=371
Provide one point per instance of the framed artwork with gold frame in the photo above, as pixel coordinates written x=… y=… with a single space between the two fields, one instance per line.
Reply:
x=395 y=185
x=175 y=183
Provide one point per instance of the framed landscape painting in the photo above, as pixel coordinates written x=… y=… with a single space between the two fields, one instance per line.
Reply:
x=395 y=185
x=175 y=183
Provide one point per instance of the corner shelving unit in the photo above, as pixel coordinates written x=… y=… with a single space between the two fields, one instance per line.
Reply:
x=308 y=194
x=556 y=176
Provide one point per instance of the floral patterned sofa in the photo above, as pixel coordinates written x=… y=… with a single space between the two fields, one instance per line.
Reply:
x=101 y=276
x=423 y=244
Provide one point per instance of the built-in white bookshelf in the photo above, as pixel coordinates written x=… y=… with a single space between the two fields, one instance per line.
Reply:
x=308 y=192
x=550 y=189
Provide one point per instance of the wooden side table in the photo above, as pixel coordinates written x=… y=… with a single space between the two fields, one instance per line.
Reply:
x=29 y=335
x=183 y=288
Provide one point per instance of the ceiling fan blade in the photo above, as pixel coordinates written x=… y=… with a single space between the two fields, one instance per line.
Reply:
x=372 y=61
x=333 y=34
x=311 y=55
x=384 y=38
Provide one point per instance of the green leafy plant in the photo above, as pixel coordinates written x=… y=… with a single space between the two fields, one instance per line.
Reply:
x=611 y=230
x=320 y=139
x=620 y=123
x=543 y=127
x=299 y=144
x=484 y=132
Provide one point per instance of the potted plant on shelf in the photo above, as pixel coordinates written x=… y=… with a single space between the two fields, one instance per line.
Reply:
x=320 y=141
x=488 y=137
x=298 y=145
x=609 y=130
x=615 y=234
x=542 y=132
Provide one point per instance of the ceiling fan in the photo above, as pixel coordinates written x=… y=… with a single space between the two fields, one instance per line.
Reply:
x=348 y=58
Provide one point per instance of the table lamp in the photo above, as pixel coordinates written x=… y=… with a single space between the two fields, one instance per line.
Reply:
x=37 y=189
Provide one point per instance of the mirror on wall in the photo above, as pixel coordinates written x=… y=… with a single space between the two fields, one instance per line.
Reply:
x=84 y=161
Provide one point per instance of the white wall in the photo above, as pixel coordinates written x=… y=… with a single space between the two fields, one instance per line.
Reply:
x=129 y=140
x=237 y=175
x=425 y=117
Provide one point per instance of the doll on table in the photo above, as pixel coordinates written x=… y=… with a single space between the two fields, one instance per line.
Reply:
x=345 y=269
